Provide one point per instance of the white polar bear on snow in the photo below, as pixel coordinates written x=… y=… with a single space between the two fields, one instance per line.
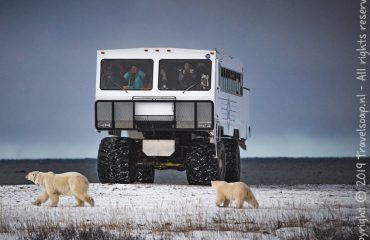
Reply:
x=54 y=185
x=236 y=191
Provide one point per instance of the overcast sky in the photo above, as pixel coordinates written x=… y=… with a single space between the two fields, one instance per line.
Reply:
x=299 y=59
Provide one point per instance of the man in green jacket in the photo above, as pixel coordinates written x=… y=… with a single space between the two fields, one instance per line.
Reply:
x=134 y=77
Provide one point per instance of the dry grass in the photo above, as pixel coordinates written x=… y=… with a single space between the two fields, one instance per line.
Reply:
x=74 y=232
x=297 y=222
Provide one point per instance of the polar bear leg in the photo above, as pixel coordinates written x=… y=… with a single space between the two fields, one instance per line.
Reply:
x=226 y=203
x=41 y=199
x=84 y=197
x=239 y=203
x=89 y=200
x=80 y=203
x=79 y=190
x=252 y=201
x=81 y=199
x=220 y=198
x=54 y=199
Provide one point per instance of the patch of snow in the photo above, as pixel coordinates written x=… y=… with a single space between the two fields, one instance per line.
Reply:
x=181 y=211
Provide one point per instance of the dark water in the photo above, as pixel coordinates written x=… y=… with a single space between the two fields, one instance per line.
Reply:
x=254 y=171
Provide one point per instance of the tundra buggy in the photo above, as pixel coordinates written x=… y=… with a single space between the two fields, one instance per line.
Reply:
x=169 y=108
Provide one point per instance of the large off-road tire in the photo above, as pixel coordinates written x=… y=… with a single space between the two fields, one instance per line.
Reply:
x=144 y=173
x=201 y=164
x=116 y=160
x=232 y=160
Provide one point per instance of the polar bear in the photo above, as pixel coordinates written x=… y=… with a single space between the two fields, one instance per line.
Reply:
x=54 y=185
x=237 y=191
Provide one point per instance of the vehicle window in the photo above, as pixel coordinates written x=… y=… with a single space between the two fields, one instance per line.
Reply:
x=126 y=74
x=231 y=81
x=185 y=74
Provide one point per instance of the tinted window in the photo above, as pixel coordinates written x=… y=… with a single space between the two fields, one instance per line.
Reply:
x=231 y=81
x=182 y=74
x=125 y=74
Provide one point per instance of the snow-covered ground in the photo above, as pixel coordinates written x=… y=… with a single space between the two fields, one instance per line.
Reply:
x=183 y=212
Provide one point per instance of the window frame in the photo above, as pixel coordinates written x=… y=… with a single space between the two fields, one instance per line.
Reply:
x=185 y=60
x=231 y=81
x=124 y=59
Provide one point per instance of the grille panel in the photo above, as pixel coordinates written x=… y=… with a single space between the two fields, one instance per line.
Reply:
x=185 y=115
x=123 y=114
x=104 y=114
x=204 y=114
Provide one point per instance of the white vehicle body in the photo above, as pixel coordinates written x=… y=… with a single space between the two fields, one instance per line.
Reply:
x=230 y=97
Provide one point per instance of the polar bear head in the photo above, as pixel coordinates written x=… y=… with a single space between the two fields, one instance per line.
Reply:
x=33 y=176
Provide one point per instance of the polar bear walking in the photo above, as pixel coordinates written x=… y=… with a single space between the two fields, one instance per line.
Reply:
x=236 y=191
x=54 y=185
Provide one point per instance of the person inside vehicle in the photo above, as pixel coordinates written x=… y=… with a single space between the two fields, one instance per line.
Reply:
x=134 y=78
x=163 y=79
x=186 y=77
x=111 y=78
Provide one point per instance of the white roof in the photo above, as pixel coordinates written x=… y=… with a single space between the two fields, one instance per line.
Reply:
x=177 y=50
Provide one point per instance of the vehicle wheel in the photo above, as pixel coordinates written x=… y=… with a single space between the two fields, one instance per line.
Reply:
x=116 y=160
x=201 y=164
x=232 y=160
x=144 y=173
